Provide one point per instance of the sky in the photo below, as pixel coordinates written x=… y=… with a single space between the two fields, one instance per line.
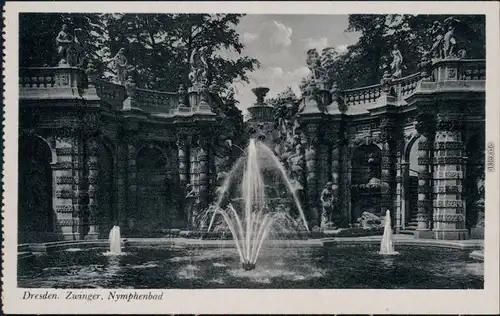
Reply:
x=280 y=43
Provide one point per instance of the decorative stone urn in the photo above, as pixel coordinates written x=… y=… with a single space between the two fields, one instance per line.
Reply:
x=260 y=93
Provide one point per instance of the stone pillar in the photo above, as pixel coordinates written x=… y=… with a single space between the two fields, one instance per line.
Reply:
x=311 y=168
x=64 y=189
x=386 y=177
x=131 y=169
x=448 y=206
x=404 y=194
x=121 y=185
x=80 y=227
x=203 y=143
x=398 y=205
x=183 y=154
x=336 y=187
x=334 y=139
x=194 y=179
x=425 y=127
x=93 y=178
x=388 y=166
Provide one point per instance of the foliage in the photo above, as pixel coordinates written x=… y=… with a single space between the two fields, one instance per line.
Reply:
x=158 y=46
x=365 y=61
x=283 y=98
x=38 y=31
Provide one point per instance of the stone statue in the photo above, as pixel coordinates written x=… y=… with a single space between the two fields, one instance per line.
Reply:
x=326 y=199
x=199 y=66
x=314 y=63
x=450 y=43
x=369 y=220
x=75 y=51
x=64 y=41
x=120 y=64
x=190 y=204
x=296 y=162
x=437 y=46
x=397 y=62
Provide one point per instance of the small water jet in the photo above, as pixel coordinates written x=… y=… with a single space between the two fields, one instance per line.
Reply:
x=115 y=246
x=387 y=245
x=252 y=226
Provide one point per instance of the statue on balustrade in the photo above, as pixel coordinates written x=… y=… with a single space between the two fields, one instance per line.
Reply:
x=69 y=48
x=450 y=43
x=397 y=62
x=444 y=42
x=120 y=64
x=64 y=41
x=199 y=66
x=326 y=199
x=437 y=46
x=314 y=63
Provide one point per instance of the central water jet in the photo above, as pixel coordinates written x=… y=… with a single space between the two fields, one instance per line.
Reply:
x=252 y=225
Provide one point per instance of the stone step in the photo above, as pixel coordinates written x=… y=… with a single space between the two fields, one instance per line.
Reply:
x=407 y=232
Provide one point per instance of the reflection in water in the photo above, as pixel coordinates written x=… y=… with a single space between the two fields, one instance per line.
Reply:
x=335 y=268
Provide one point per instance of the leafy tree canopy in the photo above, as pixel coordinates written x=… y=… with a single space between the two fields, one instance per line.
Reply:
x=364 y=62
x=158 y=46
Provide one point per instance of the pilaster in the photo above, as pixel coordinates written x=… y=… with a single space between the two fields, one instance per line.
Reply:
x=311 y=166
x=131 y=170
x=69 y=192
x=388 y=137
x=425 y=127
x=93 y=176
x=449 y=204
x=183 y=154
x=203 y=161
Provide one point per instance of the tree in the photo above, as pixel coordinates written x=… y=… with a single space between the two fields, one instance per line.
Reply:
x=158 y=46
x=365 y=61
x=38 y=31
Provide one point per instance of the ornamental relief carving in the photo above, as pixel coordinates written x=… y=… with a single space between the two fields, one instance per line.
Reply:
x=448 y=217
x=424 y=204
x=66 y=222
x=448 y=175
x=448 y=145
x=64 y=209
x=65 y=180
x=447 y=203
x=448 y=189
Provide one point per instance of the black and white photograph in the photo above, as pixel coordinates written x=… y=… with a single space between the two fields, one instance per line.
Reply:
x=205 y=151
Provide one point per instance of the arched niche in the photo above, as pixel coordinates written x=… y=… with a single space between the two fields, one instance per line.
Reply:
x=106 y=189
x=365 y=180
x=155 y=203
x=410 y=179
x=365 y=164
x=36 y=215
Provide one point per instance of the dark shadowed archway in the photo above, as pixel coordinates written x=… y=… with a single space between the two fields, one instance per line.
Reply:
x=365 y=180
x=411 y=183
x=155 y=207
x=106 y=192
x=36 y=216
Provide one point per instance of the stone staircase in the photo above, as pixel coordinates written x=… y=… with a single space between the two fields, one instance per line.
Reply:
x=410 y=227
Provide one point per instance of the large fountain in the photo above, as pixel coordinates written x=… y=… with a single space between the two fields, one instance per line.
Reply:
x=251 y=222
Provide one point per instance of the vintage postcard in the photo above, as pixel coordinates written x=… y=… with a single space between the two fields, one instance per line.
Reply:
x=250 y=157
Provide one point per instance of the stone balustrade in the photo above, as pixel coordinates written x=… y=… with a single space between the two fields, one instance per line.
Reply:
x=442 y=70
x=52 y=77
x=38 y=83
x=362 y=95
x=156 y=101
